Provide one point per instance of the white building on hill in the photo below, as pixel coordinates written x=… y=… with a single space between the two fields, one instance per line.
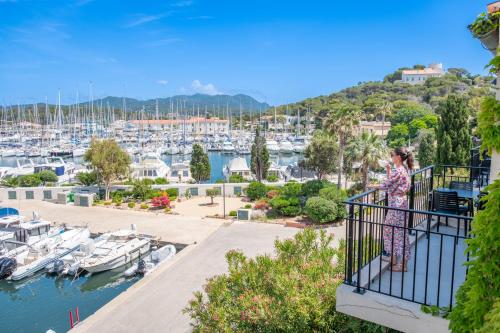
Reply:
x=418 y=76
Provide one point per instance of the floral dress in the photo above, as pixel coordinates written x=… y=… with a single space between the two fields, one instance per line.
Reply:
x=396 y=186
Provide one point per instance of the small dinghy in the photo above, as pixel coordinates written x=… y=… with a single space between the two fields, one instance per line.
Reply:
x=151 y=262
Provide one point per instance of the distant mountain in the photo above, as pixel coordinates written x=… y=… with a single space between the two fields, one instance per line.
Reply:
x=213 y=103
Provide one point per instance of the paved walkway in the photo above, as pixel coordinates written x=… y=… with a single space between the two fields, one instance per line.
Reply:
x=155 y=303
x=172 y=228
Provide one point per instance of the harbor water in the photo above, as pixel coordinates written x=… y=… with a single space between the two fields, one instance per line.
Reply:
x=42 y=302
x=217 y=161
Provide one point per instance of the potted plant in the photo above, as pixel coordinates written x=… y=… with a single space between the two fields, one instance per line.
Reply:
x=485 y=28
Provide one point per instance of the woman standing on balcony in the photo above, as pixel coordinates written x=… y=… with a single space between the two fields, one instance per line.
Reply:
x=397 y=184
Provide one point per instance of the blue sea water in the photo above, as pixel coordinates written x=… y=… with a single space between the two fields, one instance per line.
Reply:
x=42 y=302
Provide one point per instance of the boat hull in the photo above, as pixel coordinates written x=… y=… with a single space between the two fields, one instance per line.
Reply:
x=118 y=261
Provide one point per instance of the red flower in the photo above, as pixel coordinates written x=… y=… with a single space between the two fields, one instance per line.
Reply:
x=161 y=201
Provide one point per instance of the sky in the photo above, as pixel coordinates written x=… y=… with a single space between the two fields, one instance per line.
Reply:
x=276 y=51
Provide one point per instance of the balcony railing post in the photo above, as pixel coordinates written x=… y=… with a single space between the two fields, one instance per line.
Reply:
x=429 y=203
x=350 y=243
x=359 y=263
x=412 y=201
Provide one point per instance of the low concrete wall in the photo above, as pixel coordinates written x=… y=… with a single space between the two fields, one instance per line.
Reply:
x=388 y=311
x=51 y=193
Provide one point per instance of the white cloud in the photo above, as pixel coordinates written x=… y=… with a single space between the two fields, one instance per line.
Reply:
x=198 y=87
x=143 y=19
x=162 y=82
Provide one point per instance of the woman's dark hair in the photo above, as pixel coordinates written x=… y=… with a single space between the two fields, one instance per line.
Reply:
x=406 y=156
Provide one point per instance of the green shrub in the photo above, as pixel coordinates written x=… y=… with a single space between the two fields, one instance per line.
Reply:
x=248 y=206
x=172 y=192
x=233 y=213
x=87 y=178
x=256 y=190
x=154 y=193
x=107 y=203
x=291 y=190
x=148 y=181
x=488 y=124
x=141 y=189
x=293 y=291
x=29 y=181
x=161 y=181
x=10 y=181
x=144 y=206
x=236 y=179
x=118 y=203
x=47 y=176
x=220 y=181
x=336 y=196
x=286 y=207
x=272 y=178
x=312 y=187
x=478 y=298
x=321 y=210
x=131 y=204
x=291 y=211
x=117 y=196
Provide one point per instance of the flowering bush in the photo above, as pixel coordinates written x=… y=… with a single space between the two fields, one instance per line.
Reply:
x=261 y=204
x=272 y=194
x=293 y=291
x=161 y=201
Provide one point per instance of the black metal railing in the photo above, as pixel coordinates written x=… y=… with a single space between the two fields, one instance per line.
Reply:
x=435 y=267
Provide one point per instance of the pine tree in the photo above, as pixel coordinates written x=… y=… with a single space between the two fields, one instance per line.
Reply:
x=260 y=156
x=200 y=164
x=453 y=137
x=426 y=148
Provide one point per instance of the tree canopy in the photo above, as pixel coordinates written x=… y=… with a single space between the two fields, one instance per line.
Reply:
x=453 y=136
x=259 y=159
x=321 y=155
x=108 y=160
x=200 y=164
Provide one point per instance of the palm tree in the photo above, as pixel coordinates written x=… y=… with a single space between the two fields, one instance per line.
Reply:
x=384 y=109
x=368 y=149
x=342 y=119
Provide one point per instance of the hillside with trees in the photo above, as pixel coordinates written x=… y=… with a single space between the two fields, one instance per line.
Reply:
x=383 y=99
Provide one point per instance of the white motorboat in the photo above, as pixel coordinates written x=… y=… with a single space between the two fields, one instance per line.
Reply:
x=272 y=147
x=228 y=147
x=151 y=262
x=51 y=249
x=78 y=152
x=237 y=166
x=172 y=150
x=150 y=166
x=24 y=167
x=64 y=170
x=120 y=248
x=286 y=147
x=180 y=172
x=70 y=264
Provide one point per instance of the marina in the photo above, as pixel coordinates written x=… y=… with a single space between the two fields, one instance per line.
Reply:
x=67 y=269
x=218 y=161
